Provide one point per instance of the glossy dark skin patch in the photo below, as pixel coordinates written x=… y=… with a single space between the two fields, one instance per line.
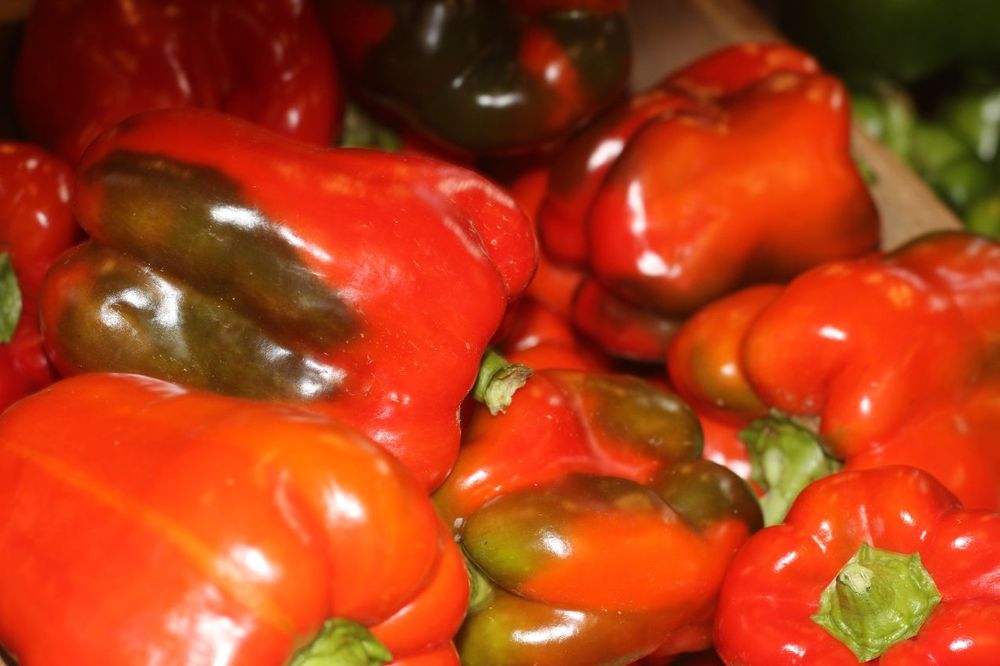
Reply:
x=250 y=323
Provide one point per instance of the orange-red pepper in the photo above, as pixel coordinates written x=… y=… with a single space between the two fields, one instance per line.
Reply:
x=363 y=284
x=880 y=566
x=890 y=359
x=85 y=65
x=732 y=171
x=147 y=523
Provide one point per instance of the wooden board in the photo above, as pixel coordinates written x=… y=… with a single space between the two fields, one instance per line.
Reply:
x=670 y=33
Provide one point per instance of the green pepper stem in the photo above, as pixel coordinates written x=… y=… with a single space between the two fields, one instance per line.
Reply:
x=497 y=381
x=362 y=131
x=10 y=299
x=785 y=457
x=877 y=599
x=481 y=591
x=342 y=643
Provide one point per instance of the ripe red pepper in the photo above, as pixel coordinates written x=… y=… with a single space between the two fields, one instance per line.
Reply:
x=85 y=65
x=879 y=565
x=594 y=530
x=363 y=284
x=895 y=355
x=735 y=170
x=149 y=523
x=535 y=335
x=491 y=76
x=36 y=225
x=554 y=283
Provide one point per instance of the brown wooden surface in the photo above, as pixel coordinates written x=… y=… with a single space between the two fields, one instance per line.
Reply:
x=670 y=33
x=14 y=10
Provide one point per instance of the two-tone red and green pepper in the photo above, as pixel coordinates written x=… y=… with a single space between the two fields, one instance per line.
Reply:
x=484 y=77
x=594 y=530
x=363 y=284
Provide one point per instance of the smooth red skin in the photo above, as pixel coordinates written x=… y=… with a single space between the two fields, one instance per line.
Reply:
x=424 y=334
x=667 y=202
x=704 y=357
x=966 y=266
x=555 y=282
x=535 y=335
x=760 y=191
x=721 y=444
x=866 y=345
x=919 y=329
x=36 y=226
x=85 y=65
x=170 y=485
x=775 y=581
x=485 y=469
x=731 y=69
x=956 y=442
x=495 y=462
x=619 y=327
x=582 y=165
x=579 y=168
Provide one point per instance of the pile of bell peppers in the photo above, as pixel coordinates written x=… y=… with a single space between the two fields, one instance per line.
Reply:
x=580 y=376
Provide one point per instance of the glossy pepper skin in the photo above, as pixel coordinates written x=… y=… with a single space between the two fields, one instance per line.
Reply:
x=775 y=582
x=36 y=226
x=156 y=524
x=490 y=76
x=536 y=335
x=85 y=65
x=894 y=354
x=363 y=284
x=596 y=532
x=734 y=170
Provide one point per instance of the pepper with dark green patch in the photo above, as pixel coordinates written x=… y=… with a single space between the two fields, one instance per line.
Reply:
x=229 y=258
x=588 y=508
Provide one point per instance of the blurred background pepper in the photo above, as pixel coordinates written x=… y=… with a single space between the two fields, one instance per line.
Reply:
x=489 y=76
x=84 y=65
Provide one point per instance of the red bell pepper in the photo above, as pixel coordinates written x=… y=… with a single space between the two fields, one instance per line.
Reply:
x=363 y=284
x=880 y=566
x=36 y=225
x=735 y=170
x=554 y=283
x=535 y=335
x=594 y=530
x=85 y=65
x=491 y=76
x=889 y=359
x=147 y=523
